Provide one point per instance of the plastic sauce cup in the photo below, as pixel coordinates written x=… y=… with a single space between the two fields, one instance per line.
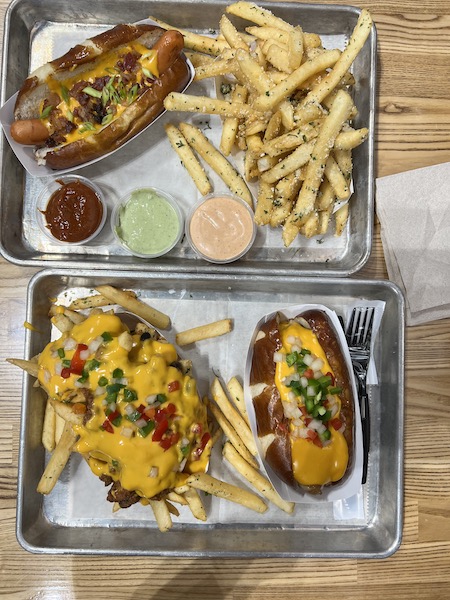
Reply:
x=71 y=210
x=221 y=228
x=147 y=222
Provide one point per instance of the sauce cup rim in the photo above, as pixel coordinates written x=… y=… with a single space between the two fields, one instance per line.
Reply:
x=51 y=186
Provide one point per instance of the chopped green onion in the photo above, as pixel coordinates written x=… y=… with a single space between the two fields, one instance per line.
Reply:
x=65 y=94
x=46 y=112
x=117 y=374
x=92 y=364
x=144 y=431
x=92 y=92
x=107 y=337
x=129 y=395
x=61 y=353
x=102 y=382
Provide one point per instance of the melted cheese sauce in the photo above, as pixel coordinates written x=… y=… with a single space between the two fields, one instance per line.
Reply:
x=312 y=465
x=139 y=463
x=103 y=67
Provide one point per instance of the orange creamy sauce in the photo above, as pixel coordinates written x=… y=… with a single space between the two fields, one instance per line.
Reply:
x=221 y=228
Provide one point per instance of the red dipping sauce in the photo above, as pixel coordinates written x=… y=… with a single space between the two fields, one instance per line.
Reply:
x=74 y=212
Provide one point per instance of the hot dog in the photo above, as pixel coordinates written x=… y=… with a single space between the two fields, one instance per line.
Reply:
x=135 y=408
x=303 y=400
x=99 y=94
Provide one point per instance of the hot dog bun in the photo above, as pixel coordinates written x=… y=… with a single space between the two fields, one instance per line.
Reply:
x=303 y=400
x=127 y=70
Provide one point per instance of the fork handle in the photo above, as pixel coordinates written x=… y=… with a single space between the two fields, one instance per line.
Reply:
x=365 y=425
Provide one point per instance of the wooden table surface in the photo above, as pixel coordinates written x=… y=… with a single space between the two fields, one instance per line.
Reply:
x=413 y=130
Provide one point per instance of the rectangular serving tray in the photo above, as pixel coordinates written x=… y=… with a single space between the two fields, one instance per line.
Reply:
x=36 y=32
x=76 y=518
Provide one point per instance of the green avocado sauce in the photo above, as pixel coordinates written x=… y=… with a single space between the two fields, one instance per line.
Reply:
x=148 y=224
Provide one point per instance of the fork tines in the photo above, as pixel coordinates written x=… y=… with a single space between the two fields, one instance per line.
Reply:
x=359 y=329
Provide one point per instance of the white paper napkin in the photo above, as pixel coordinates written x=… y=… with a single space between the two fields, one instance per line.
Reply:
x=414 y=211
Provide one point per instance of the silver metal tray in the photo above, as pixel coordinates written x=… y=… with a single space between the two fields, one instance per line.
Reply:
x=34 y=32
x=77 y=518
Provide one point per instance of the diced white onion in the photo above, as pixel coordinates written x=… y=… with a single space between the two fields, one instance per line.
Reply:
x=99 y=391
x=154 y=472
x=129 y=409
x=182 y=464
x=151 y=399
x=70 y=344
x=112 y=406
x=126 y=432
x=122 y=380
x=58 y=368
x=292 y=339
x=278 y=357
x=140 y=423
x=289 y=378
x=47 y=376
x=308 y=359
x=303 y=322
x=318 y=374
x=310 y=391
x=291 y=396
x=304 y=382
x=302 y=432
x=296 y=348
x=84 y=354
x=95 y=344
x=317 y=364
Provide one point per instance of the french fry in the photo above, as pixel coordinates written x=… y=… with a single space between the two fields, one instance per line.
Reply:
x=221 y=489
x=316 y=166
x=337 y=179
x=194 y=41
x=347 y=140
x=230 y=33
x=49 y=427
x=299 y=157
x=341 y=218
x=29 y=366
x=198 y=59
x=58 y=460
x=232 y=435
x=265 y=32
x=356 y=42
x=59 y=427
x=285 y=192
x=72 y=315
x=264 y=203
x=204 y=332
x=237 y=394
x=94 y=301
x=195 y=503
x=233 y=416
x=231 y=124
x=271 y=97
x=162 y=514
x=258 y=15
x=65 y=411
x=178 y=498
x=215 y=69
x=188 y=159
x=216 y=161
x=139 y=308
x=62 y=322
x=205 y=105
x=256 y=479
x=292 y=139
x=295 y=48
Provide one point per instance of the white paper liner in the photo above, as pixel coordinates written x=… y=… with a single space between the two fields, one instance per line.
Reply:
x=25 y=154
x=351 y=484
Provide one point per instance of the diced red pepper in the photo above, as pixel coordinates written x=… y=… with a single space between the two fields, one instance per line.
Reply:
x=112 y=416
x=307 y=420
x=173 y=386
x=336 y=424
x=65 y=373
x=160 y=430
x=170 y=409
x=199 y=451
x=312 y=434
x=318 y=442
x=169 y=441
x=77 y=364
x=309 y=373
x=106 y=425
x=333 y=380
